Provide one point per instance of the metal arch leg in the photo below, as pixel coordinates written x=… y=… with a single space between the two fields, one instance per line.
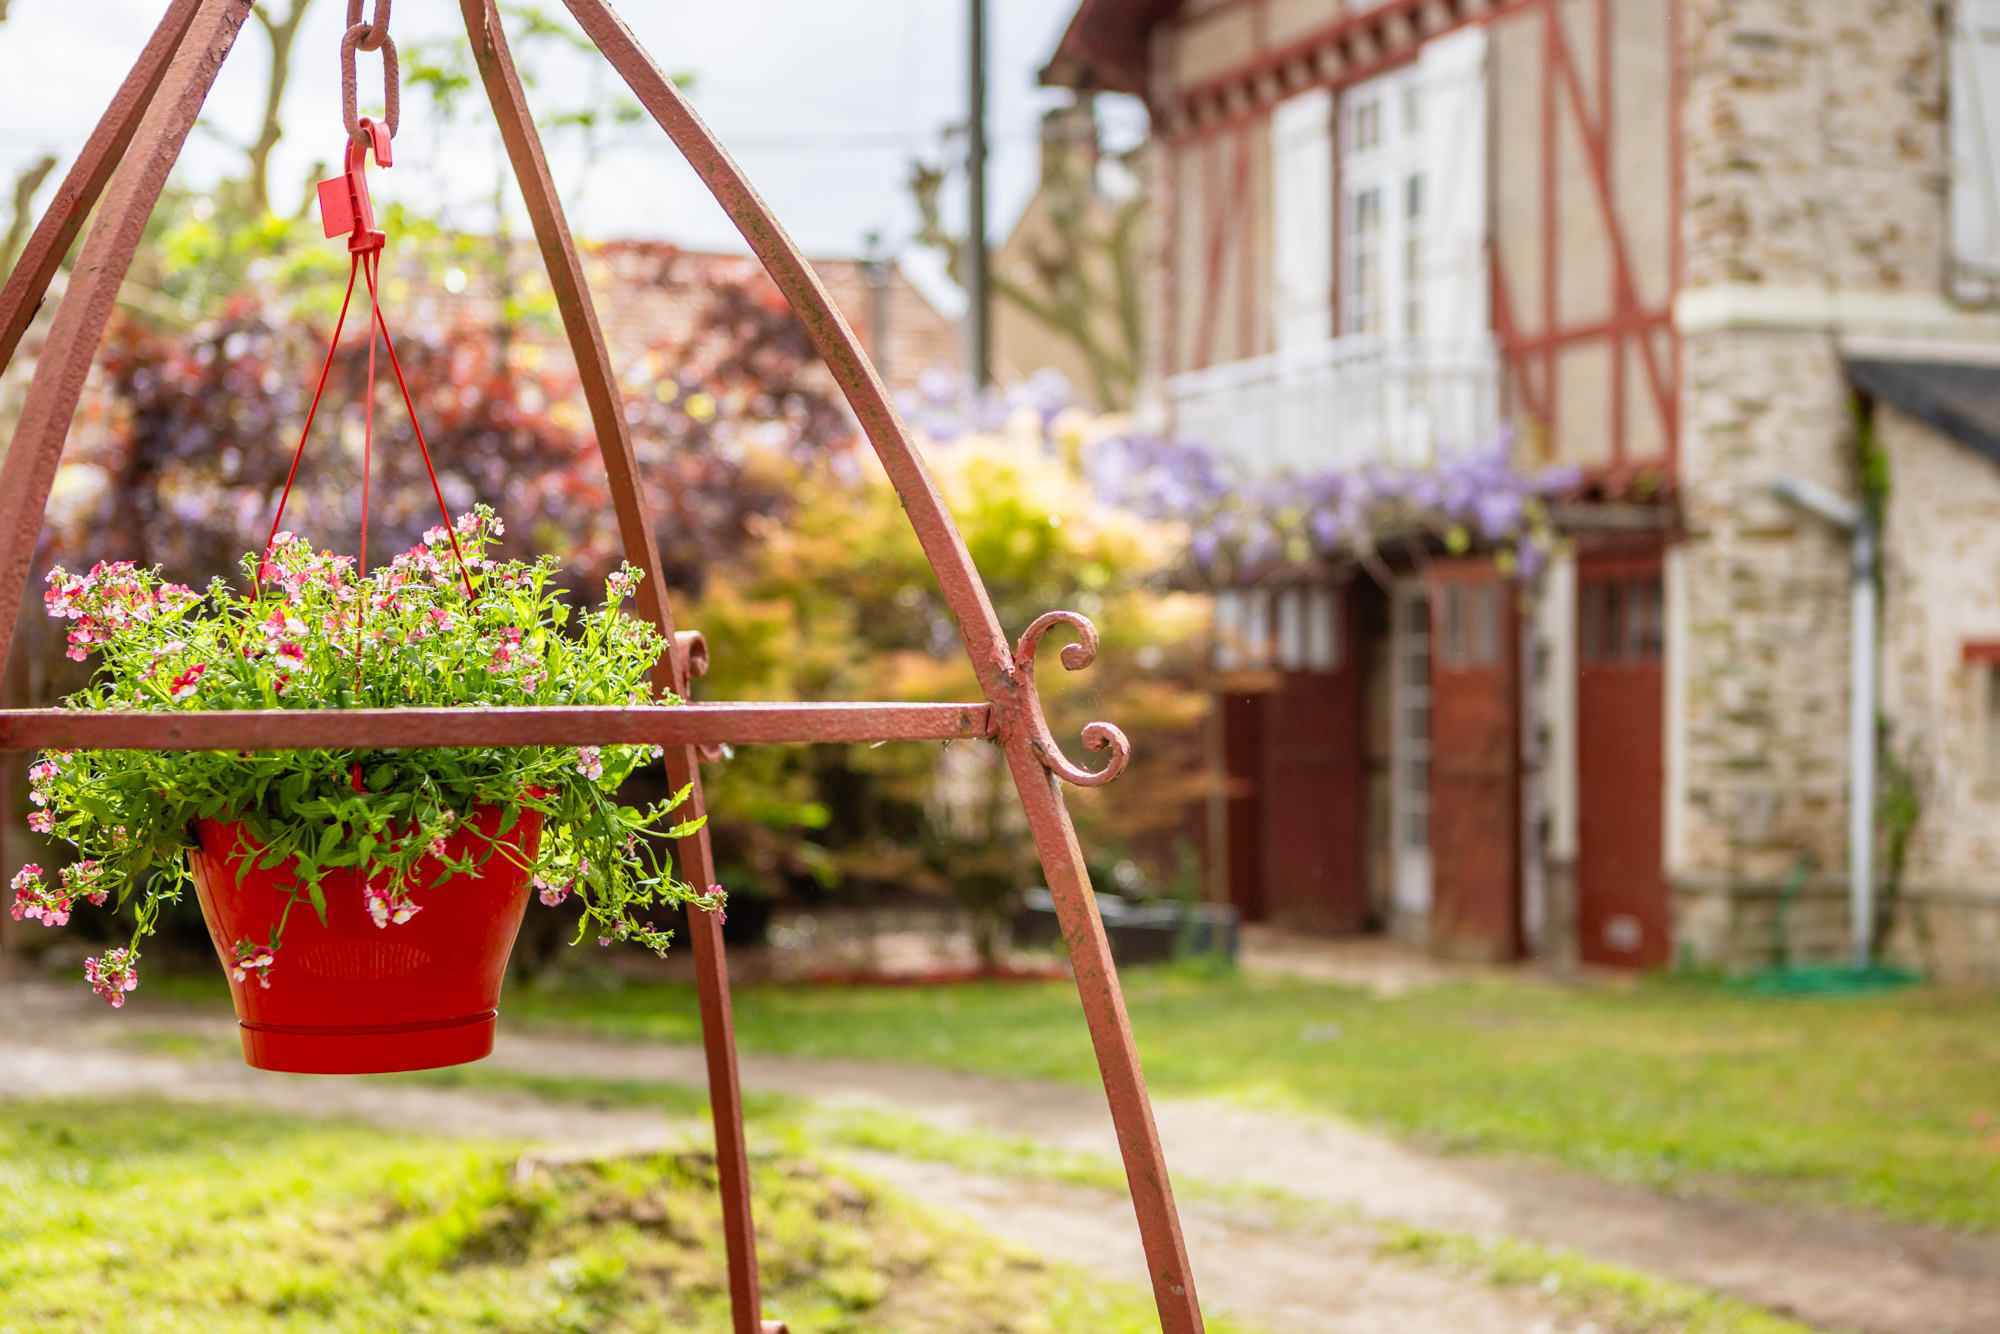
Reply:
x=22 y=295
x=30 y=466
x=1167 y=1267
x=524 y=150
x=1006 y=677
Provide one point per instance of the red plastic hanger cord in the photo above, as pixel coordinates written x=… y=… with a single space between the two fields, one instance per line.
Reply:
x=345 y=206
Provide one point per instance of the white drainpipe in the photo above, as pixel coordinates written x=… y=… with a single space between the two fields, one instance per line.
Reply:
x=1854 y=520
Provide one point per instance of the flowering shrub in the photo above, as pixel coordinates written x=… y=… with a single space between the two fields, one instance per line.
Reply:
x=313 y=633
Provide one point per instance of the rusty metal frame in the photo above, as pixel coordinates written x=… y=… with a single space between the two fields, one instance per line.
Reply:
x=129 y=156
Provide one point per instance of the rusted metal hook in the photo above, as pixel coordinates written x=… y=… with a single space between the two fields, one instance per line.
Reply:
x=344 y=203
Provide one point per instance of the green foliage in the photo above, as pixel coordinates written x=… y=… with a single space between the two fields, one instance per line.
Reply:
x=837 y=601
x=309 y=632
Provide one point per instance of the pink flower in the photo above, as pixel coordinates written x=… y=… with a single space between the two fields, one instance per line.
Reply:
x=34 y=901
x=253 y=960
x=64 y=597
x=292 y=654
x=438 y=848
x=42 y=822
x=113 y=976
x=186 y=683
x=388 y=909
x=552 y=895
x=590 y=762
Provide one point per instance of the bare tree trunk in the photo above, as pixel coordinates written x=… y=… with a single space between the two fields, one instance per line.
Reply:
x=26 y=185
x=283 y=35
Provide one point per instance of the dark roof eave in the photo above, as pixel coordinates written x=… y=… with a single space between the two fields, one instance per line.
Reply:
x=1104 y=46
x=1955 y=398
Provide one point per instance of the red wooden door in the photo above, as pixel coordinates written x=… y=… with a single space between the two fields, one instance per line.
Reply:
x=1475 y=815
x=1622 y=916
x=1312 y=804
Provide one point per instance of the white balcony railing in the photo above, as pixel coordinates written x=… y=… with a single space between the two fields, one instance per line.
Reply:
x=1347 y=403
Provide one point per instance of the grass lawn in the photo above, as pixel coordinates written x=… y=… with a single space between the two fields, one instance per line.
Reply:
x=150 y=1216
x=1889 y=1102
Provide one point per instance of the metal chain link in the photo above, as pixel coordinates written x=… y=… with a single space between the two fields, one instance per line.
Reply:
x=378 y=30
x=373 y=36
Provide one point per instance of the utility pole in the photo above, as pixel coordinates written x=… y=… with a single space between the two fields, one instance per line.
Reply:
x=875 y=267
x=979 y=324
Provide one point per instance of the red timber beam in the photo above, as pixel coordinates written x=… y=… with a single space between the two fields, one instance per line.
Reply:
x=1345 y=50
x=1223 y=212
x=1597 y=156
x=1360 y=45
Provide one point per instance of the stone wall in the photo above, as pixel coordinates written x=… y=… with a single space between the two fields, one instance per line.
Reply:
x=1815 y=159
x=1941 y=585
x=1815 y=145
x=1765 y=597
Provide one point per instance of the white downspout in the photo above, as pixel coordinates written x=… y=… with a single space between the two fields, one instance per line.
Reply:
x=1861 y=746
x=1854 y=520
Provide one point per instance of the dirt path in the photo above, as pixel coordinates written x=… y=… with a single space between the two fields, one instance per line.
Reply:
x=1836 y=1271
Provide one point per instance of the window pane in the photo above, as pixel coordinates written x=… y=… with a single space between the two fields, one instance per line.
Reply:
x=1647 y=634
x=1364 y=252
x=1291 y=630
x=1451 y=635
x=1257 y=630
x=1413 y=257
x=1590 y=621
x=1323 y=630
x=1484 y=650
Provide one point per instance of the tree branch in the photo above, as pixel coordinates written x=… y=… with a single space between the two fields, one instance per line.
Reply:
x=25 y=187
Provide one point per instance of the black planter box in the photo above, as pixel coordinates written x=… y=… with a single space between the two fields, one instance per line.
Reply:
x=1148 y=932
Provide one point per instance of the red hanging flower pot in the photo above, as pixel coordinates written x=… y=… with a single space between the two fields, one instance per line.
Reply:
x=364 y=992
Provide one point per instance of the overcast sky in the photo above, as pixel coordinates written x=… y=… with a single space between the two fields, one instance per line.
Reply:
x=823 y=101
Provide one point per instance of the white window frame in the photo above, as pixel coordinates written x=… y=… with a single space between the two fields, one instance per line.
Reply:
x=1974 y=97
x=1302 y=220
x=1382 y=244
x=1410 y=747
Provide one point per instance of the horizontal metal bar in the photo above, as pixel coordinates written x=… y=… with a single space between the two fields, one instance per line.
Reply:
x=410 y=729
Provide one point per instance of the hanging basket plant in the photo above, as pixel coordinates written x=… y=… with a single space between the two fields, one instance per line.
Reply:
x=363 y=903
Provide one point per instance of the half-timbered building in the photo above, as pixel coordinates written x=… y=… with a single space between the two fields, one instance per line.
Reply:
x=1673 y=243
